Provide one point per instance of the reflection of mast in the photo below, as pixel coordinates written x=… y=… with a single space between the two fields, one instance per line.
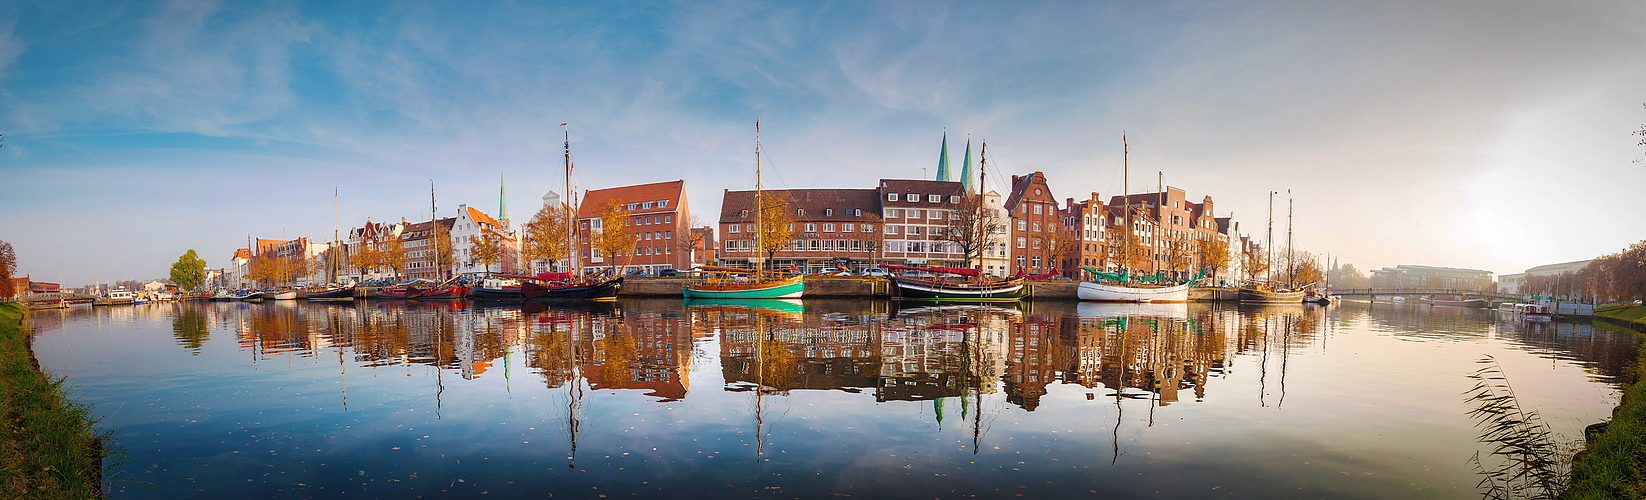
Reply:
x=439 y=357
x=1285 y=355
x=1124 y=345
x=1263 y=368
x=759 y=384
x=343 y=366
x=574 y=392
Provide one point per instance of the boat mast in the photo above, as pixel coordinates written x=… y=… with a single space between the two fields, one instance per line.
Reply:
x=336 y=221
x=1126 y=191
x=1159 y=218
x=759 y=206
x=1268 y=244
x=982 y=211
x=1290 y=277
x=434 y=223
x=571 y=210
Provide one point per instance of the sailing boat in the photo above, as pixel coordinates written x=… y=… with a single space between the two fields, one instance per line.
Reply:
x=1270 y=291
x=976 y=290
x=758 y=286
x=552 y=287
x=1123 y=287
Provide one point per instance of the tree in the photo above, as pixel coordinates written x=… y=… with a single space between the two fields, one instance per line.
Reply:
x=1305 y=269
x=8 y=268
x=613 y=239
x=1213 y=254
x=444 y=255
x=692 y=241
x=394 y=256
x=365 y=258
x=1346 y=276
x=264 y=269
x=775 y=224
x=1132 y=254
x=873 y=237
x=1060 y=245
x=1254 y=262
x=486 y=249
x=189 y=272
x=548 y=235
x=969 y=228
x=1178 y=256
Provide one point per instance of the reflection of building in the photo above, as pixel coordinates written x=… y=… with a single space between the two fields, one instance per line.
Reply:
x=647 y=351
x=780 y=354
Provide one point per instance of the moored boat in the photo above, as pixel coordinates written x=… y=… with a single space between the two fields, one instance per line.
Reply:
x=452 y=291
x=286 y=294
x=782 y=288
x=1457 y=301
x=1265 y=293
x=597 y=290
x=336 y=293
x=250 y=295
x=910 y=288
x=1132 y=292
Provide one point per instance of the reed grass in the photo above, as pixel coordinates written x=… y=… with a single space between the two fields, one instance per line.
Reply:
x=49 y=447
x=1526 y=458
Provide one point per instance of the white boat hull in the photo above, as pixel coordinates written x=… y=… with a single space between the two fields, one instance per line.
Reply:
x=1115 y=293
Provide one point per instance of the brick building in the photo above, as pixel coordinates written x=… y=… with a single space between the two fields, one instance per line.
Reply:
x=659 y=216
x=832 y=228
x=1035 y=226
x=915 y=214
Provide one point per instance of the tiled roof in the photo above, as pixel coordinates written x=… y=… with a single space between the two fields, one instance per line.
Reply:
x=594 y=200
x=1020 y=188
x=816 y=203
x=481 y=217
x=242 y=253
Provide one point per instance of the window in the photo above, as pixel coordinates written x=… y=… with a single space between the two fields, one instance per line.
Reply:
x=1037 y=261
x=734 y=228
x=857 y=212
x=915 y=214
x=1022 y=225
x=1020 y=261
x=800 y=212
x=935 y=214
x=1037 y=226
x=913 y=230
x=828 y=245
x=1037 y=244
x=954 y=198
x=892 y=229
x=1037 y=209
x=828 y=211
x=857 y=245
x=1022 y=243
x=815 y=245
x=868 y=228
x=935 y=230
x=846 y=227
x=828 y=227
x=917 y=246
x=748 y=228
x=632 y=206
x=934 y=198
x=646 y=205
x=893 y=213
x=811 y=227
x=891 y=196
x=668 y=234
x=912 y=197
x=743 y=213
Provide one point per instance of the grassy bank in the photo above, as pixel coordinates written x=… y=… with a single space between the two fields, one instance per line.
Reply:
x=48 y=445
x=1611 y=465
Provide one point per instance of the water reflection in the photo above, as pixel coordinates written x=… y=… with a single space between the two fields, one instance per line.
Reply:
x=830 y=390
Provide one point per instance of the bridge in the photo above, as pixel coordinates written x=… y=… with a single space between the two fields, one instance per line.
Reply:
x=1427 y=292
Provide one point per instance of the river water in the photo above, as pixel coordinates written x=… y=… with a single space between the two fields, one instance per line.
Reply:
x=814 y=399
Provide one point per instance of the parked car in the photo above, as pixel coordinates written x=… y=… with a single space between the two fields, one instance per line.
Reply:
x=875 y=271
x=668 y=272
x=835 y=271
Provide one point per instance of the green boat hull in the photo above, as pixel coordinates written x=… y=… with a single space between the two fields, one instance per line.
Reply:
x=784 y=291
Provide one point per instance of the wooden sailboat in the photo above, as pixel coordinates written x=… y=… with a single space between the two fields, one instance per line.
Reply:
x=758 y=285
x=973 y=287
x=1271 y=291
x=1125 y=289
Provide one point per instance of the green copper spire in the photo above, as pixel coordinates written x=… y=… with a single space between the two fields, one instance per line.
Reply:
x=943 y=160
x=502 y=199
x=967 y=176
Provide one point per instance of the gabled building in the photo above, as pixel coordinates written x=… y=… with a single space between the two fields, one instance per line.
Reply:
x=1088 y=221
x=657 y=214
x=1035 y=226
x=472 y=223
x=350 y=267
x=996 y=258
x=832 y=228
x=422 y=251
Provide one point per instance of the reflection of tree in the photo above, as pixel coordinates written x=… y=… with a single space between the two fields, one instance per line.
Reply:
x=190 y=328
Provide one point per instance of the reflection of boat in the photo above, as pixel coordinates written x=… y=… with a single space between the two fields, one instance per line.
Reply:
x=1087 y=310
x=790 y=306
x=936 y=289
x=1010 y=310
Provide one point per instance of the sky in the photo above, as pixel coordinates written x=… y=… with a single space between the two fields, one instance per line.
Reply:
x=1490 y=135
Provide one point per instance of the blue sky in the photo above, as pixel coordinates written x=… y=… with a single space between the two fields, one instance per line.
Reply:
x=1490 y=135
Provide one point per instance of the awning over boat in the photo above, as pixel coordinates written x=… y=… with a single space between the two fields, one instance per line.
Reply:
x=948 y=270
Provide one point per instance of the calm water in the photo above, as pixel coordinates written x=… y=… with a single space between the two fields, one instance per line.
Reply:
x=825 y=399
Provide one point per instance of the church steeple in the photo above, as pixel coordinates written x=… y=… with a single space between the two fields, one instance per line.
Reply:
x=502 y=199
x=967 y=176
x=943 y=159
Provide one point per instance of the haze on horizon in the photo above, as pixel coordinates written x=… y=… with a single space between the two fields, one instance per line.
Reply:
x=1487 y=135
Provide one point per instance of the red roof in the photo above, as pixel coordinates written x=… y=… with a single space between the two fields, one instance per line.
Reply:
x=482 y=218
x=671 y=191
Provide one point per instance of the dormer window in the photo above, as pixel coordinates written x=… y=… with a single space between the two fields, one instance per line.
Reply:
x=801 y=212
x=891 y=196
x=632 y=207
x=828 y=211
x=646 y=205
x=912 y=197
x=934 y=198
x=663 y=204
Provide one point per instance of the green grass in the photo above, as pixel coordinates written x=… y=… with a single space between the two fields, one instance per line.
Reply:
x=48 y=445
x=1610 y=467
x=1632 y=313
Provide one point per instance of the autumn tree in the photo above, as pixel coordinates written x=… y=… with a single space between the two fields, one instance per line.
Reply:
x=613 y=239
x=264 y=269
x=692 y=241
x=1061 y=243
x=189 y=272
x=1346 y=276
x=1178 y=256
x=1254 y=262
x=365 y=258
x=548 y=236
x=1213 y=254
x=1131 y=253
x=8 y=268
x=444 y=254
x=295 y=266
x=1305 y=269
x=486 y=249
x=970 y=226
x=394 y=255
x=775 y=223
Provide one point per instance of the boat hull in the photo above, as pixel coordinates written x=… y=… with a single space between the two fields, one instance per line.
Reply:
x=791 y=288
x=343 y=293
x=507 y=294
x=604 y=291
x=1101 y=292
x=996 y=291
x=1259 y=296
x=455 y=292
x=1471 y=303
x=281 y=295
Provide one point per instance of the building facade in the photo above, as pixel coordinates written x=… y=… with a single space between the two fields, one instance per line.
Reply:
x=832 y=228
x=1039 y=243
x=658 y=215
